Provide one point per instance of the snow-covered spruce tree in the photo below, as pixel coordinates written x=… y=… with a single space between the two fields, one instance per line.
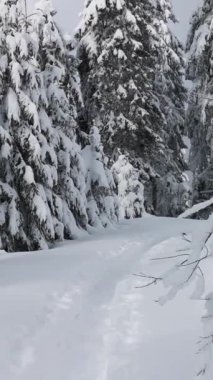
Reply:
x=169 y=75
x=171 y=92
x=61 y=84
x=119 y=49
x=41 y=177
x=58 y=76
x=102 y=204
x=172 y=95
x=199 y=120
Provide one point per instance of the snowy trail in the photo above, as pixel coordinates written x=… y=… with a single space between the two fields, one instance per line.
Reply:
x=74 y=313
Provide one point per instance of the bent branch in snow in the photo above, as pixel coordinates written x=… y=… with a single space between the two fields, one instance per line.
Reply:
x=184 y=272
x=196 y=208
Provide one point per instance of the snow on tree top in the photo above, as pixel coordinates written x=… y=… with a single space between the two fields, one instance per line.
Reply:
x=90 y=13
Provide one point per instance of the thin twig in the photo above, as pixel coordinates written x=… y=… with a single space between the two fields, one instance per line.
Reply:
x=169 y=257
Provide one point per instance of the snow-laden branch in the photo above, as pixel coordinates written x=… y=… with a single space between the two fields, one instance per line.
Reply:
x=196 y=208
x=186 y=267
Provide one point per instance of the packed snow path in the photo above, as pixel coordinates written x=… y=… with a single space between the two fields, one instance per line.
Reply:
x=75 y=313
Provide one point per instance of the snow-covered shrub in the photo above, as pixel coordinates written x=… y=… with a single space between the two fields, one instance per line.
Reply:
x=129 y=188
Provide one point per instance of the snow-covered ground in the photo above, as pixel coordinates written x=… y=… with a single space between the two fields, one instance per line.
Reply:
x=76 y=312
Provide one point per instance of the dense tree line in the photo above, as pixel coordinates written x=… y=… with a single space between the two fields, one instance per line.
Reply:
x=85 y=140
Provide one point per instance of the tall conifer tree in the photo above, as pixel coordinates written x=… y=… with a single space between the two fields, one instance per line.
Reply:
x=120 y=48
x=199 y=122
x=42 y=177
